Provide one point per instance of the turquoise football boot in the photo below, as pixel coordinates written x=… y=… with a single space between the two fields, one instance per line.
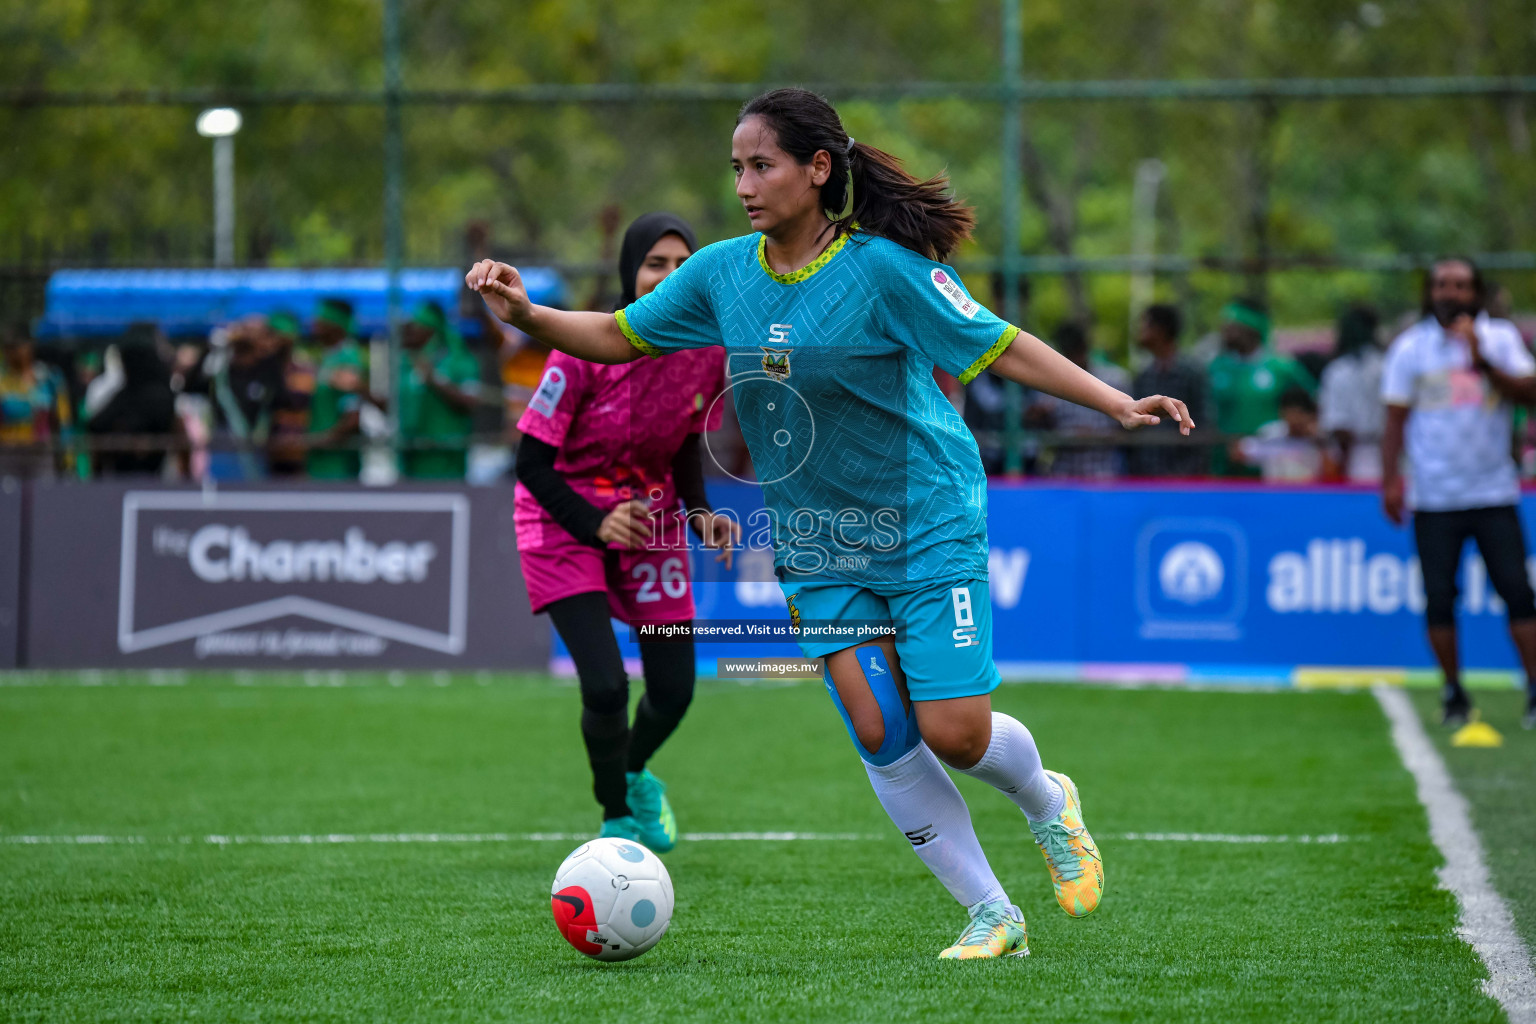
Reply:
x=621 y=828
x=652 y=810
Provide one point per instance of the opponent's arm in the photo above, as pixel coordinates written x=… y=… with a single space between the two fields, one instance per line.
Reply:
x=628 y=525
x=1035 y=364
x=688 y=476
x=594 y=337
x=716 y=531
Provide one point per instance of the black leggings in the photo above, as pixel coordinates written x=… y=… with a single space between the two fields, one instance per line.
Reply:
x=1440 y=537
x=612 y=746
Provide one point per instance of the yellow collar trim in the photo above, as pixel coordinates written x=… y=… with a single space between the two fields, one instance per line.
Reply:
x=796 y=276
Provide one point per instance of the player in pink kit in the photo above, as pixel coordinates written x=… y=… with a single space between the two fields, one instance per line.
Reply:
x=610 y=457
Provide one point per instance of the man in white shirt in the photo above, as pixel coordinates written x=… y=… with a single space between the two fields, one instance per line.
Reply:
x=1349 y=397
x=1451 y=380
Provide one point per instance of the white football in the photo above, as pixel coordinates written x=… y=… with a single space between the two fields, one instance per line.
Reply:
x=612 y=899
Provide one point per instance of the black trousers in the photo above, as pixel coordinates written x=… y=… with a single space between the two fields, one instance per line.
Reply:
x=1440 y=537
x=613 y=746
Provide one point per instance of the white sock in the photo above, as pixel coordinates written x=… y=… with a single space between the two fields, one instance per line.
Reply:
x=1012 y=764
x=922 y=800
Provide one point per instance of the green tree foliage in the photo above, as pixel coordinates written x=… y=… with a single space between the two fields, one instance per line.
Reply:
x=131 y=184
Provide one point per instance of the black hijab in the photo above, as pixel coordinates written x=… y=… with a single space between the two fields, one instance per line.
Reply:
x=645 y=232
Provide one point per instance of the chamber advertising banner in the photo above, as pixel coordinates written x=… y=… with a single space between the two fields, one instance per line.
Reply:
x=277 y=578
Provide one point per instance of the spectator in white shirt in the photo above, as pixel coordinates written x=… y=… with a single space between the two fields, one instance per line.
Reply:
x=1349 y=400
x=1449 y=383
x=1291 y=449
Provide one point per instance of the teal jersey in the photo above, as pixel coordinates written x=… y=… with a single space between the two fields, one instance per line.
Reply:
x=869 y=474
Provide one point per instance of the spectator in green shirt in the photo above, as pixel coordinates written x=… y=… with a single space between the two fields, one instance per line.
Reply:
x=439 y=388
x=338 y=396
x=1248 y=378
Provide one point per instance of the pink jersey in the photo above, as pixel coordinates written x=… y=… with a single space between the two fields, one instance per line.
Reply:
x=618 y=428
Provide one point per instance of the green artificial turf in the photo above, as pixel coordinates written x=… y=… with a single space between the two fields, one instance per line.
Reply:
x=764 y=930
x=1500 y=784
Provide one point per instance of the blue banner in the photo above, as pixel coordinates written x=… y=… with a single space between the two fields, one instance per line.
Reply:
x=1172 y=583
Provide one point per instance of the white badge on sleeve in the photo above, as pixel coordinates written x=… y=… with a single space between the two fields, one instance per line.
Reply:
x=951 y=290
x=548 y=394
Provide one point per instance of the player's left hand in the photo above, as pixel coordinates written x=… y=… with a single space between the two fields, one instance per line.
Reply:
x=718 y=531
x=1147 y=412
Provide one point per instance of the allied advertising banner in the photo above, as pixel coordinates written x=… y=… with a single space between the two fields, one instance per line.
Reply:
x=276 y=578
x=1169 y=583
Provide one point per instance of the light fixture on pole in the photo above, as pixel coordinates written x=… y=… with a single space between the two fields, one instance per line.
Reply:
x=220 y=124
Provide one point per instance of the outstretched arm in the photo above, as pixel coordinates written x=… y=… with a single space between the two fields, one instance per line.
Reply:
x=594 y=337
x=1035 y=364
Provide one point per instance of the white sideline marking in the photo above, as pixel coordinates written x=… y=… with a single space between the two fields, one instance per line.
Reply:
x=1486 y=923
x=342 y=838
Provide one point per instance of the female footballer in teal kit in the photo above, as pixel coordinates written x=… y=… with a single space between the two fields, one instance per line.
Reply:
x=833 y=323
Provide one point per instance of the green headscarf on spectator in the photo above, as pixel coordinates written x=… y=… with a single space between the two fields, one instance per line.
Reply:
x=1253 y=319
x=287 y=323
x=336 y=312
x=431 y=316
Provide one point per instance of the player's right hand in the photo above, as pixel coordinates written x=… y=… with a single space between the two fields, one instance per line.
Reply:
x=502 y=288
x=628 y=525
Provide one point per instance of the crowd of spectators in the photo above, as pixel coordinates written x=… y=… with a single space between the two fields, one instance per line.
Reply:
x=275 y=397
x=263 y=397
x=1263 y=413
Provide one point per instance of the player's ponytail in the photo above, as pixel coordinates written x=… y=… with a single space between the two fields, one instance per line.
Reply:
x=887 y=201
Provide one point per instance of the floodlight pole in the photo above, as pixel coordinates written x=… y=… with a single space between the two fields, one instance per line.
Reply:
x=220 y=124
x=224 y=201
x=1008 y=257
x=394 y=219
x=1149 y=178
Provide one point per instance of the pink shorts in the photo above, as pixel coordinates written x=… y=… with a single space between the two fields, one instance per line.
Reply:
x=642 y=586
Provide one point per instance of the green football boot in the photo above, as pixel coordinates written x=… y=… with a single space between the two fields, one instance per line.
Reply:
x=652 y=810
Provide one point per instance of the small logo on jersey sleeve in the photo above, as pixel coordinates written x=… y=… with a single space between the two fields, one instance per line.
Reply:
x=548 y=394
x=951 y=290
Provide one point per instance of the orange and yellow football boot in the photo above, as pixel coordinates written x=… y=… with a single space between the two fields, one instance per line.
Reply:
x=1077 y=870
x=996 y=929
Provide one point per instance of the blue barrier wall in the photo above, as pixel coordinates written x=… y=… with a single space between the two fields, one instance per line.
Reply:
x=1173 y=583
x=102 y=303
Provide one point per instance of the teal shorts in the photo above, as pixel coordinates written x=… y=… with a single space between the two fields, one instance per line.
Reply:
x=944 y=631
